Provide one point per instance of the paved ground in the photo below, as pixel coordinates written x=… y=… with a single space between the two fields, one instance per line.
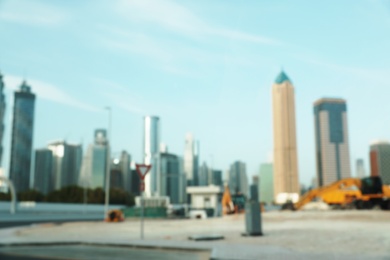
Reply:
x=292 y=235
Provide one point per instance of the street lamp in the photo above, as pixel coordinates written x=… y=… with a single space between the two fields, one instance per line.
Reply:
x=107 y=198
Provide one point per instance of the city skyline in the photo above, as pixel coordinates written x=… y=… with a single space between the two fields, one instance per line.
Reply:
x=244 y=52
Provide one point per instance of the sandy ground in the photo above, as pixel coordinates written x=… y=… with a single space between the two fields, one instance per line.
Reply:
x=332 y=233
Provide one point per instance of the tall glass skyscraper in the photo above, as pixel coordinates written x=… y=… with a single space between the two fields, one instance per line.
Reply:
x=43 y=171
x=286 y=179
x=360 y=170
x=191 y=160
x=151 y=155
x=2 y=111
x=238 y=180
x=66 y=163
x=93 y=167
x=22 y=137
x=332 y=146
x=266 y=183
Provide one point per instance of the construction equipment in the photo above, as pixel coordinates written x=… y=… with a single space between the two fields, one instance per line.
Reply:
x=115 y=215
x=232 y=203
x=350 y=193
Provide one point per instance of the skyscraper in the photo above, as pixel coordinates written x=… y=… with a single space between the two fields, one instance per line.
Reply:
x=360 y=170
x=238 y=180
x=171 y=177
x=22 y=134
x=43 y=171
x=286 y=182
x=93 y=169
x=151 y=155
x=332 y=146
x=66 y=163
x=204 y=175
x=191 y=160
x=380 y=160
x=2 y=111
x=266 y=183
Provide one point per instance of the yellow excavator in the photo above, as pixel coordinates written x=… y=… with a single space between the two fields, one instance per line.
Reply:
x=356 y=193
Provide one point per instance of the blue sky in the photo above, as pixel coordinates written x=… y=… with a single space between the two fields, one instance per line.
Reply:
x=204 y=67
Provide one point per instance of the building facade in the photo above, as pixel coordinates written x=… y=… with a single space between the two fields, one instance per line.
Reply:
x=216 y=178
x=172 y=178
x=43 y=170
x=151 y=145
x=266 y=183
x=332 y=146
x=22 y=137
x=66 y=163
x=2 y=113
x=95 y=162
x=380 y=160
x=360 y=170
x=286 y=179
x=238 y=180
x=204 y=175
x=191 y=160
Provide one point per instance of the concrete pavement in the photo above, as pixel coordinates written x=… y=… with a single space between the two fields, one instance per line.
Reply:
x=288 y=235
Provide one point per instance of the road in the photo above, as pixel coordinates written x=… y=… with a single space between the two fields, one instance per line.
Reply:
x=88 y=252
x=26 y=218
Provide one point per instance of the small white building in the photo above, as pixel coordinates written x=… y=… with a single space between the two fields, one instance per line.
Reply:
x=205 y=197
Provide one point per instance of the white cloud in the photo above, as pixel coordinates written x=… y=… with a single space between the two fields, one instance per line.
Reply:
x=31 y=13
x=48 y=91
x=176 y=18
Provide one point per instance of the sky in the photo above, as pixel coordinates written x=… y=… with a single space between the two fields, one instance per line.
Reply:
x=205 y=67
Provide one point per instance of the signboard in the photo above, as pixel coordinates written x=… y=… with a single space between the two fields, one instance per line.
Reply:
x=142 y=170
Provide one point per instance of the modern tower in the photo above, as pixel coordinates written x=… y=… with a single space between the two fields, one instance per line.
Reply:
x=2 y=112
x=151 y=155
x=266 y=183
x=380 y=160
x=43 y=171
x=191 y=160
x=360 y=170
x=66 y=163
x=332 y=146
x=238 y=180
x=22 y=137
x=94 y=163
x=286 y=180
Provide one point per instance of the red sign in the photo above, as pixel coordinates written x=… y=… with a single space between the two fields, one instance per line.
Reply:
x=142 y=170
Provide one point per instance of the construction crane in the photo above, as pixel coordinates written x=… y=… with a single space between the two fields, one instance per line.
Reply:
x=351 y=192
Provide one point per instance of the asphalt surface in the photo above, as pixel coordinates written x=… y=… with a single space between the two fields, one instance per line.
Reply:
x=88 y=252
x=25 y=219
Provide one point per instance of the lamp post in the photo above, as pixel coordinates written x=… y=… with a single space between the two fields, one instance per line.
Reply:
x=107 y=198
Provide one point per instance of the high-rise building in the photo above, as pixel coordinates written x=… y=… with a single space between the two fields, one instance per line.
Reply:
x=266 y=183
x=151 y=155
x=43 y=171
x=2 y=112
x=380 y=160
x=204 y=175
x=191 y=160
x=94 y=164
x=360 y=170
x=120 y=172
x=332 y=146
x=172 y=177
x=124 y=162
x=238 y=180
x=22 y=137
x=66 y=163
x=216 y=178
x=286 y=180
